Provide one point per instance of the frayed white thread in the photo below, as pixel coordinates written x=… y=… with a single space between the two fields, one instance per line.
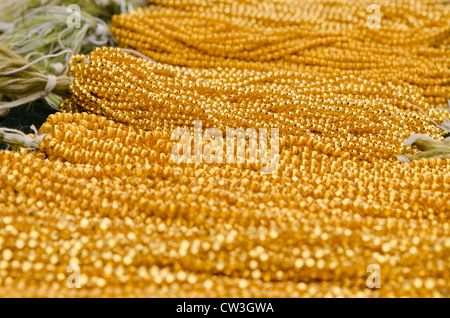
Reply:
x=409 y=141
x=29 y=55
x=440 y=126
x=100 y=36
x=443 y=108
x=123 y=5
x=446 y=124
x=69 y=52
x=4 y=112
x=403 y=158
x=49 y=87
x=102 y=3
x=17 y=137
x=58 y=67
x=5 y=27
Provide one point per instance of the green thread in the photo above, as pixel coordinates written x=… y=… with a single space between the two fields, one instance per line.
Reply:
x=19 y=78
x=44 y=31
x=37 y=28
x=17 y=138
x=430 y=148
x=10 y=10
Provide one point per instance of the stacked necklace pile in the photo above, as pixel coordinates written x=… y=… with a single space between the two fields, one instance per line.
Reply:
x=138 y=224
x=357 y=117
x=104 y=194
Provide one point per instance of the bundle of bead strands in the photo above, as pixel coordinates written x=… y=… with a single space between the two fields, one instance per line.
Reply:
x=357 y=118
x=322 y=37
x=113 y=83
x=149 y=227
x=106 y=196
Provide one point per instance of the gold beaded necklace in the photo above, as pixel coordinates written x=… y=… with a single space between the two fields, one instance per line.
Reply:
x=107 y=197
x=103 y=192
x=355 y=117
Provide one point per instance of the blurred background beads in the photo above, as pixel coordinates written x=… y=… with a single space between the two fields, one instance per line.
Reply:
x=317 y=37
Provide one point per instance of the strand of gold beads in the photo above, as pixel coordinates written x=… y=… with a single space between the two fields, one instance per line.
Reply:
x=357 y=117
x=155 y=228
x=313 y=37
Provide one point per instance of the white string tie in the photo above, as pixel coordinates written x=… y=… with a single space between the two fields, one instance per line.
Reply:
x=16 y=137
x=49 y=87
